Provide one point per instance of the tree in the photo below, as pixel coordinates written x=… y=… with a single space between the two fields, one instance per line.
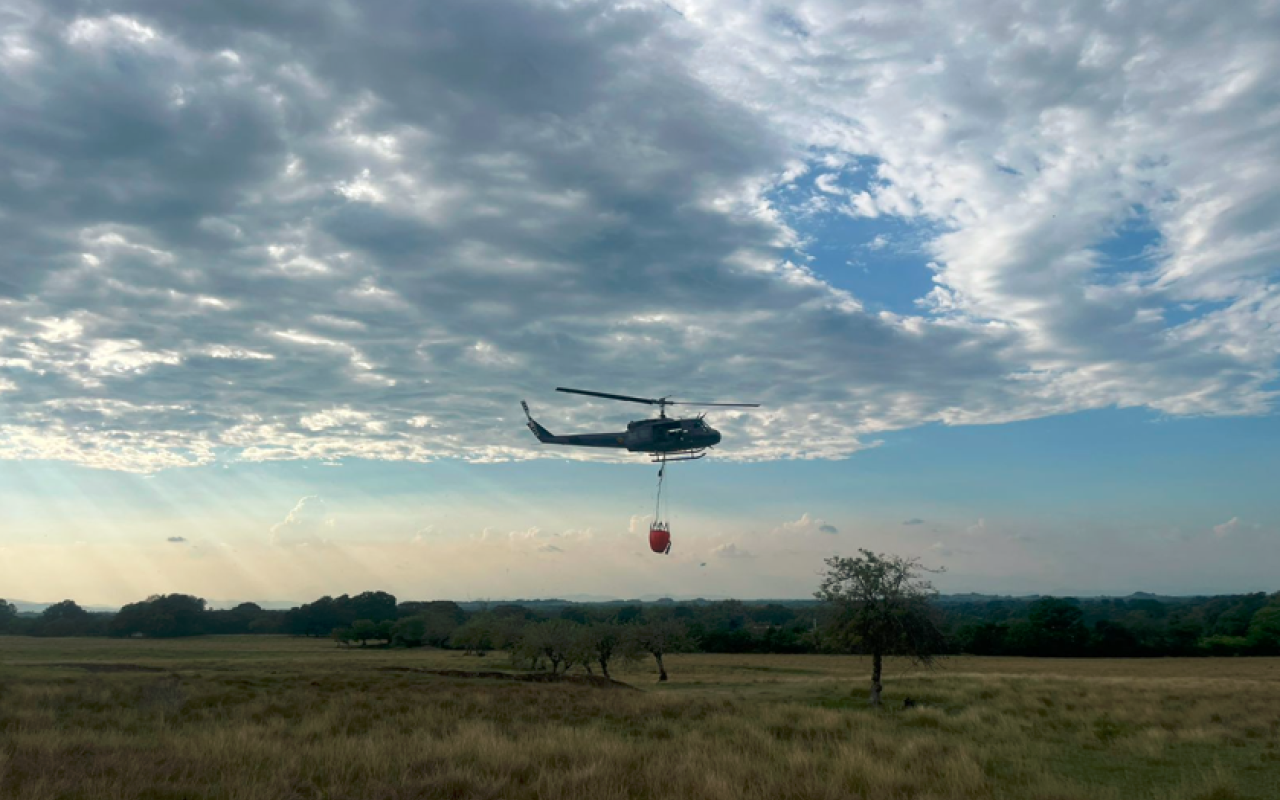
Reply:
x=1058 y=627
x=982 y=638
x=410 y=632
x=374 y=606
x=556 y=640
x=473 y=636
x=442 y=618
x=882 y=607
x=1264 y=629
x=365 y=629
x=161 y=616
x=65 y=619
x=8 y=615
x=607 y=642
x=1113 y=640
x=657 y=637
x=316 y=619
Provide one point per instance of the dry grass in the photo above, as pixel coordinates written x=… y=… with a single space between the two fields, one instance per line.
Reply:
x=259 y=717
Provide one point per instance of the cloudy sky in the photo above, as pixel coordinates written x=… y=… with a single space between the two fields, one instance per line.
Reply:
x=275 y=277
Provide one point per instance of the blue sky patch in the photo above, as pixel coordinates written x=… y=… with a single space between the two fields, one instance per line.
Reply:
x=883 y=261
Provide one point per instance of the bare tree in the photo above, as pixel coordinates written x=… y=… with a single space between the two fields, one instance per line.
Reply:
x=881 y=607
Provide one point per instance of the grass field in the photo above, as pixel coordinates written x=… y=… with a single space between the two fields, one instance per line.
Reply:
x=272 y=717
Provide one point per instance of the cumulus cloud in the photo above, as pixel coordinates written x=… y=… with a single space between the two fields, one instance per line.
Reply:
x=808 y=524
x=730 y=551
x=309 y=523
x=1234 y=526
x=1028 y=138
x=329 y=232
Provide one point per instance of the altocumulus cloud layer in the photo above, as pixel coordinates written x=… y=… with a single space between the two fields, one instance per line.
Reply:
x=295 y=230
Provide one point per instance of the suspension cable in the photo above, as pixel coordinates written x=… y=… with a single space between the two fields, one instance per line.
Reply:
x=657 y=505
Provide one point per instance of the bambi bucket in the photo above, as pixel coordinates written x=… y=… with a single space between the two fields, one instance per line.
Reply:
x=659 y=537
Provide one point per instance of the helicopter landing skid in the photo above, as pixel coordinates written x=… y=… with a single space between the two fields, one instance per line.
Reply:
x=678 y=455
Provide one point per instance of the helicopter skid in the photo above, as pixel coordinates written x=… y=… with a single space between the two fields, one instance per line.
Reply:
x=677 y=455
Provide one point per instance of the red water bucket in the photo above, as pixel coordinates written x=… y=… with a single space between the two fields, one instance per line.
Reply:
x=659 y=538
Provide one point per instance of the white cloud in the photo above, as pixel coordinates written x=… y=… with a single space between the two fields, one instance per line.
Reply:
x=309 y=523
x=1234 y=526
x=372 y=250
x=827 y=183
x=730 y=551
x=807 y=524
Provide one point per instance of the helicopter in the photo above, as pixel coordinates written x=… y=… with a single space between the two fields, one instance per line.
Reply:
x=663 y=438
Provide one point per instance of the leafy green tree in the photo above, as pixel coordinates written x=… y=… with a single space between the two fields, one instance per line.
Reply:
x=983 y=638
x=608 y=643
x=1057 y=627
x=409 y=632
x=65 y=619
x=316 y=619
x=270 y=622
x=1235 y=620
x=657 y=637
x=386 y=630
x=882 y=607
x=8 y=616
x=1182 y=635
x=161 y=616
x=474 y=636
x=582 y=648
x=374 y=606
x=1224 y=645
x=442 y=618
x=1113 y=639
x=557 y=640
x=1264 y=629
x=628 y=613
x=364 y=631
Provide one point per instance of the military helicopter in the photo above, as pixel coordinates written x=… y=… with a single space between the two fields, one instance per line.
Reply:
x=663 y=438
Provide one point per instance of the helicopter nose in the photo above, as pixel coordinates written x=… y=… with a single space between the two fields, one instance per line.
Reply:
x=715 y=436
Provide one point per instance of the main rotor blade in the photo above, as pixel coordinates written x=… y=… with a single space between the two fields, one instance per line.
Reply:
x=722 y=405
x=610 y=396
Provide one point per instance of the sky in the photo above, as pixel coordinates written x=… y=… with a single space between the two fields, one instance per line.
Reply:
x=1005 y=278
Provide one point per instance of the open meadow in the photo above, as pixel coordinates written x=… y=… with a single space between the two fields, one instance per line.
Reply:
x=266 y=718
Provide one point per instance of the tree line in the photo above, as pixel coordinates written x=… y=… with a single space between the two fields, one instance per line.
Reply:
x=1046 y=626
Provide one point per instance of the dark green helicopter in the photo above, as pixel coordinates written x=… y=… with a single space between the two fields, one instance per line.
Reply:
x=663 y=438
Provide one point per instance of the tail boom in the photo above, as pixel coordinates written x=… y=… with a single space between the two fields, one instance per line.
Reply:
x=616 y=440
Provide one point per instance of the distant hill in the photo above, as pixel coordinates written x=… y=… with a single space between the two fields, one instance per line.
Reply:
x=265 y=605
x=28 y=607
